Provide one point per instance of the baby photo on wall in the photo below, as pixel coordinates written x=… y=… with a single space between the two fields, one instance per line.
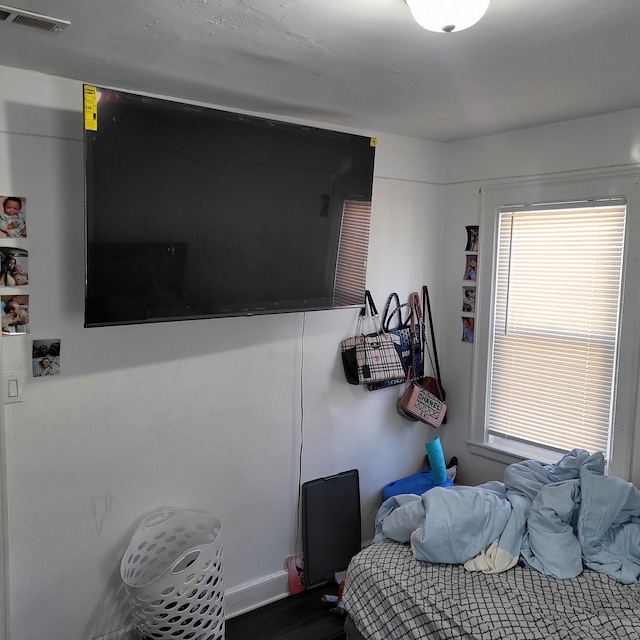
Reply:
x=471 y=268
x=473 y=236
x=14 y=270
x=13 y=223
x=46 y=357
x=15 y=314
x=468 y=327
x=468 y=299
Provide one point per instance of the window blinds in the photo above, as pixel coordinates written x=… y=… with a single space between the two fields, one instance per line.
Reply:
x=353 y=250
x=555 y=325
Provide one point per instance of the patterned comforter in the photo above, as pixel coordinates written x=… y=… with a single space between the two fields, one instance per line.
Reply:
x=391 y=596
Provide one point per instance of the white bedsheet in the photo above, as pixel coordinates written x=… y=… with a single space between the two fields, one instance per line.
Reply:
x=556 y=518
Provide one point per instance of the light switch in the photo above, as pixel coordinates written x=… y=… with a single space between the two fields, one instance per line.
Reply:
x=13 y=387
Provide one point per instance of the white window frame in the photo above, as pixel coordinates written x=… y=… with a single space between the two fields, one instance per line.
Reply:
x=580 y=187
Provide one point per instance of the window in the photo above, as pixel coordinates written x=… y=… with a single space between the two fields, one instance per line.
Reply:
x=353 y=249
x=555 y=327
x=554 y=360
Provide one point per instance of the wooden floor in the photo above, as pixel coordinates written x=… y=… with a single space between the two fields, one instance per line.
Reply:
x=300 y=617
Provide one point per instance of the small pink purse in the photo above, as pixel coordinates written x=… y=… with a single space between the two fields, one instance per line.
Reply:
x=422 y=405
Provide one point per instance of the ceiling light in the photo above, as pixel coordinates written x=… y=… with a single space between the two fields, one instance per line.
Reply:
x=447 y=15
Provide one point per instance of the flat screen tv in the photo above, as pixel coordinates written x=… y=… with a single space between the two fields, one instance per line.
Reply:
x=194 y=212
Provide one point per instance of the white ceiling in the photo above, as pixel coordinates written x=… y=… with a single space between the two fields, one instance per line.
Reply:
x=350 y=63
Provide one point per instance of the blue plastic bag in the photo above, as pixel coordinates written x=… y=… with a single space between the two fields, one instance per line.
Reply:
x=418 y=483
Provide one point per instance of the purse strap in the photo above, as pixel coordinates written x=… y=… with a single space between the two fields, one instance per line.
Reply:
x=386 y=316
x=415 y=325
x=402 y=322
x=435 y=365
x=369 y=311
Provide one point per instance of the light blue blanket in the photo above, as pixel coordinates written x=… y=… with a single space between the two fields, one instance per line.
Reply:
x=555 y=518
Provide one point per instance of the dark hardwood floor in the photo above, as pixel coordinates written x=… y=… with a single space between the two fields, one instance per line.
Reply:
x=300 y=617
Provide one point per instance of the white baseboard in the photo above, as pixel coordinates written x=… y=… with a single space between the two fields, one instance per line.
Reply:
x=255 y=593
x=126 y=633
x=237 y=600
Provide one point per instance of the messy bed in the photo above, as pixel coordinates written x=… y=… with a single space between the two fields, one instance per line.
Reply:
x=551 y=552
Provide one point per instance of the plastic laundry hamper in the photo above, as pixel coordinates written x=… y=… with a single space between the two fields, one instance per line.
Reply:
x=173 y=573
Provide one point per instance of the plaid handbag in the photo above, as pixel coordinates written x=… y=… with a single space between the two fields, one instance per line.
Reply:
x=373 y=357
x=348 y=352
x=407 y=317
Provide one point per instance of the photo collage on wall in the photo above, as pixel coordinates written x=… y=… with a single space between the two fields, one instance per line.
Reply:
x=14 y=279
x=470 y=281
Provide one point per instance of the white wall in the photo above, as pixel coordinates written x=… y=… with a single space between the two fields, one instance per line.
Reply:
x=560 y=151
x=148 y=416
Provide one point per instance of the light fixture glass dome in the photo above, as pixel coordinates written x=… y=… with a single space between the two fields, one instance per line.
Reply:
x=447 y=15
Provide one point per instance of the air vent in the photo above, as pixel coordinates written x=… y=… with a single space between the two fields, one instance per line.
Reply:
x=32 y=20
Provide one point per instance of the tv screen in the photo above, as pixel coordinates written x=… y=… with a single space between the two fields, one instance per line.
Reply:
x=194 y=212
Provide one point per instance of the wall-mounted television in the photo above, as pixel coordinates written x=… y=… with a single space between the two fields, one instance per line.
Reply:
x=194 y=212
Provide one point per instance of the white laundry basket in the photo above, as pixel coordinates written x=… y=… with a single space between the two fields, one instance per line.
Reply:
x=173 y=573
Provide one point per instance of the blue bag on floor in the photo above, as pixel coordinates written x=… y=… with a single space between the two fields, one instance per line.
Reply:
x=417 y=483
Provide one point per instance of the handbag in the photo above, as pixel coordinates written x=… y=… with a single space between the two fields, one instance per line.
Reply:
x=408 y=330
x=348 y=349
x=424 y=397
x=373 y=357
x=422 y=405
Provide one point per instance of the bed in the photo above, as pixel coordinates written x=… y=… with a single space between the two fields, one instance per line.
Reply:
x=529 y=588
